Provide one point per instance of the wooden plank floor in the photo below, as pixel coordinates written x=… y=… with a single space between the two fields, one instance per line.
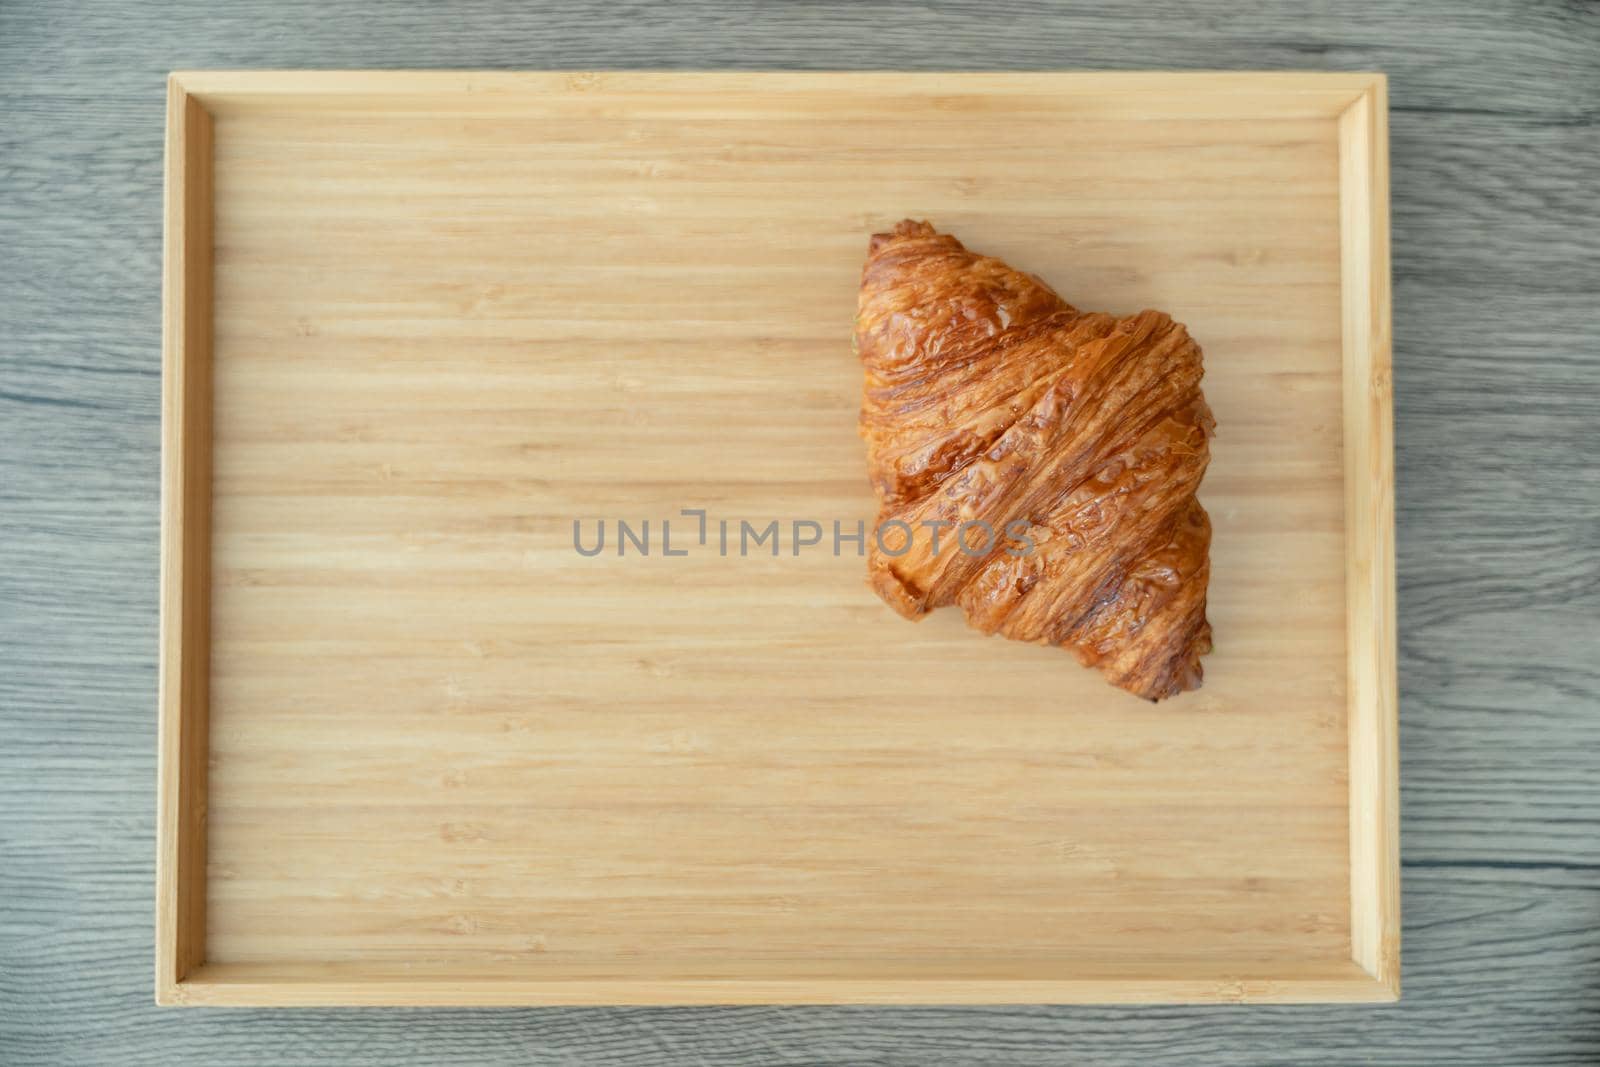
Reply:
x=1496 y=145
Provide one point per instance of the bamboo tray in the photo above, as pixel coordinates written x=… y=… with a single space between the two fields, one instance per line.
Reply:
x=415 y=749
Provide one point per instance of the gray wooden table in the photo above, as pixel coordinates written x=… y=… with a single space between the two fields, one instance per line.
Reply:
x=1496 y=185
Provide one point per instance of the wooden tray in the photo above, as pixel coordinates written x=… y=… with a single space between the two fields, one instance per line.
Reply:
x=415 y=749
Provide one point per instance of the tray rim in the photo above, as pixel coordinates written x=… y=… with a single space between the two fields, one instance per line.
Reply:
x=1359 y=103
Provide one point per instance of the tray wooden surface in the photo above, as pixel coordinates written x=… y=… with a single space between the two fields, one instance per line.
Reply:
x=415 y=749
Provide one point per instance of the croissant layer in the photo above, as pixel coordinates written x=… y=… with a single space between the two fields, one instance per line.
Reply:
x=1034 y=464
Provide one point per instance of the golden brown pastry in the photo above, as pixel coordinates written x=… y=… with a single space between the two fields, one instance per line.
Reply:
x=1072 y=442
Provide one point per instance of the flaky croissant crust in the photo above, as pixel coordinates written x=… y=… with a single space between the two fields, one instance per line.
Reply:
x=1078 y=437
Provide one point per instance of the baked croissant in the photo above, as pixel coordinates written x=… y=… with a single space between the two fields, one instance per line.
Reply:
x=1034 y=463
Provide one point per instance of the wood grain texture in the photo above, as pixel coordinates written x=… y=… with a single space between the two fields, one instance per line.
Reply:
x=1494 y=144
x=183 y=688
x=1368 y=448
x=452 y=322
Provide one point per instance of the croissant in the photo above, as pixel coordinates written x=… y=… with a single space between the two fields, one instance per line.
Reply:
x=1034 y=463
